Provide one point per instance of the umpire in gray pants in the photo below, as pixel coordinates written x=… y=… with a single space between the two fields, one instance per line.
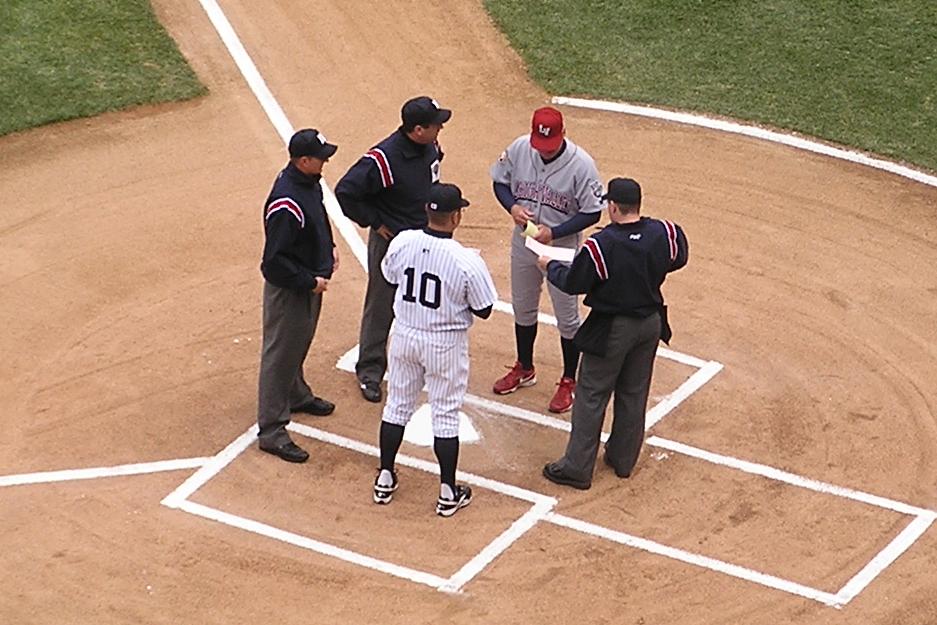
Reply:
x=620 y=269
x=299 y=258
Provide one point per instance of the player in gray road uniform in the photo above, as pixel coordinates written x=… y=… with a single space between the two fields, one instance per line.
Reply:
x=547 y=179
x=440 y=287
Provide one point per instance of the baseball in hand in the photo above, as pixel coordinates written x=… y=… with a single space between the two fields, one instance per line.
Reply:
x=531 y=229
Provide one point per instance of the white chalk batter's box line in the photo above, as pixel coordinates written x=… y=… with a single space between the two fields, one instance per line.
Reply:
x=706 y=370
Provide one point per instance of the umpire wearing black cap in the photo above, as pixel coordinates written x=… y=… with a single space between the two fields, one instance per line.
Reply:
x=299 y=258
x=620 y=270
x=386 y=191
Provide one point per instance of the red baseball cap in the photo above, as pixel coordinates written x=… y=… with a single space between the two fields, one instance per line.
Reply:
x=546 y=129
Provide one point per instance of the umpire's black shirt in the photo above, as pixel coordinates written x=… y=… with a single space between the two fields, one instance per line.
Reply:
x=622 y=267
x=298 y=246
x=389 y=185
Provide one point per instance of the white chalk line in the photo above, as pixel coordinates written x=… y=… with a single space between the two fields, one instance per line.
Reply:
x=663 y=352
x=413 y=575
x=786 y=477
x=670 y=401
x=423 y=465
x=67 y=475
x=752 y=131
x=697 y=560
x=901 y=543
x=498 y=546
x=211 y=468
x=280 y=122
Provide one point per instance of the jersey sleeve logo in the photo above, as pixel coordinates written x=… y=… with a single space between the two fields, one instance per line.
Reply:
x=383 y=166
x=671 y=238
x=287 y=204
x=595 y=253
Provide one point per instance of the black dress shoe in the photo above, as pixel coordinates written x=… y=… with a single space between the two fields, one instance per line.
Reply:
x=609 y=463
x=289 y=451
x=552 y=473
x=371 y=391
x=316 y=406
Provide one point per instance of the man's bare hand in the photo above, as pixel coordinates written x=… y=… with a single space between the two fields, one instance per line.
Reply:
x=520 y=215
x=544 y=234
x=322 y=284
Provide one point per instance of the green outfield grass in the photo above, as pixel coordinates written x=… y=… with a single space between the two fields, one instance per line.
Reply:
x=861 y=73
x=62 y=59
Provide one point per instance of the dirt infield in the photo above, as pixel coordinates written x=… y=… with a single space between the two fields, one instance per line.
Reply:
x=130 y=298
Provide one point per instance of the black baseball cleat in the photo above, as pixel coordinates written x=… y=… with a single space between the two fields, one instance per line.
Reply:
x=555 y=475
x=289 y=451
x=371 y=391
x=461 y=497
x=384 y=486
x=317 y=407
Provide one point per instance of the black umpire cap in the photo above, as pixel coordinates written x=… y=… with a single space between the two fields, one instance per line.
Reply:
x=445 y=198
x=311 y=142
x=423 y=111
x=623 y=191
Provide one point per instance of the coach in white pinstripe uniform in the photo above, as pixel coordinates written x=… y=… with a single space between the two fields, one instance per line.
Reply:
x=440 y=287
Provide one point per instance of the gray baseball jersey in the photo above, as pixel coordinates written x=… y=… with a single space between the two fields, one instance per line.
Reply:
x=438 y=283
x=553 y=192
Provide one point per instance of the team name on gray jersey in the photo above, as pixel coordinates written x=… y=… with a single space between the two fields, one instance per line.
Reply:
x=554 y=191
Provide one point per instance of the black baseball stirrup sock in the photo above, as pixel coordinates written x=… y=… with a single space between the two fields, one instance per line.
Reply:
x=525 y=335
x=570 y=358
x=447 y=453
x=391 y=437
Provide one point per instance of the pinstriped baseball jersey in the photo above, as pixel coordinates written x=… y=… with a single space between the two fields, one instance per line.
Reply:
x=554 y=191
x=438 y=281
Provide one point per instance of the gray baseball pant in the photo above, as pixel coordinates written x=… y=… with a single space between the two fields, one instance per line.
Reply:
x=289 y=319
x=626 y=369
x=527 y=284
x=377 y=316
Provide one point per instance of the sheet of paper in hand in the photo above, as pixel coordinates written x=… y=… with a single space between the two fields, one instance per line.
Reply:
x=564 y=254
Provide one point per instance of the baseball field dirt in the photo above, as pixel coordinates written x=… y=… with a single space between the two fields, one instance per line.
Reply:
x=130 y=300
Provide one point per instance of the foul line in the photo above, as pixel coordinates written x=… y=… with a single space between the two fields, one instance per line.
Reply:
x=96 y=472
x=279 y=120
x=752 y=131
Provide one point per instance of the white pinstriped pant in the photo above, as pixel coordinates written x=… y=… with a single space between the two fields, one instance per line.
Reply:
x=437 y=359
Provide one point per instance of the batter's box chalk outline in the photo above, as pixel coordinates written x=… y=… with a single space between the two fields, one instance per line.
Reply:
x=706 y=370
x=541 y=506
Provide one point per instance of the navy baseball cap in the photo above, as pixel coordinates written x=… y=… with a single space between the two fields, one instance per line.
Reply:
x=445 y=198
x=623 y=191
x=311 y=142
x=423 y=111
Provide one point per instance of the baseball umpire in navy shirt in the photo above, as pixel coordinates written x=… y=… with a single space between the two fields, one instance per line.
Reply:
x=299 y=258
x=386 y=191
x=620 y=269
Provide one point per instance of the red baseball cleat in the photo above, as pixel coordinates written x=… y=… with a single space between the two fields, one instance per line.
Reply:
x=565 y=393
x=514 y=379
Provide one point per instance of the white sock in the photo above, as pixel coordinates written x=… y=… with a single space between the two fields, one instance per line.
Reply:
x=385 y=478
x=445 y=492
